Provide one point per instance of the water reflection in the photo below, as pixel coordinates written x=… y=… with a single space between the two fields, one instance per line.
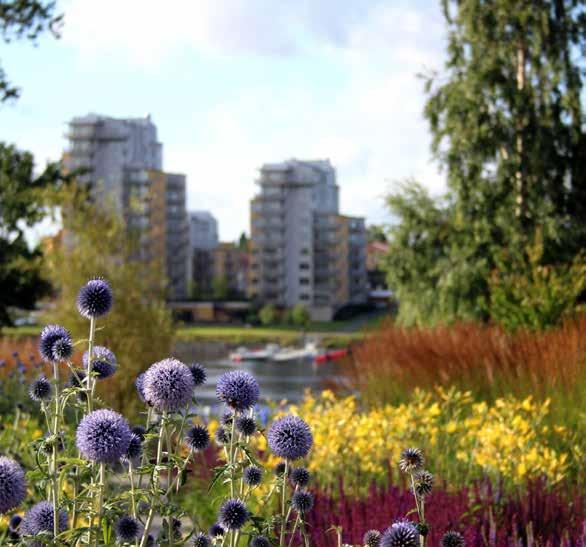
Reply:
x=277 y=380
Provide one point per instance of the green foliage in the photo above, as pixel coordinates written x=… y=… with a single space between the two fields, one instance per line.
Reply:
x=267 y=314
x=220 y=288
x=25 y=19
x=508 y=128
x=300 y=316
x=526 y=294
x=376 y=232
x=139 y=328
x=22 y=204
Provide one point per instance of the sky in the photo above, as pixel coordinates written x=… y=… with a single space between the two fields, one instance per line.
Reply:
x=233 y=84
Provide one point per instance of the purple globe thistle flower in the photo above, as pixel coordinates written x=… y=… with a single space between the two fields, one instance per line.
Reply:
x=300 y=476
x=423 y=483
x=95 y=298
x=168 y=385
x=104 y=362
x=302 y=501
x=238 y=389
x=279 y=469
x=103 y=436
x=12 y=484
x=372 y=538
x=40 y=389
x=221 y=436
x=260 y=541
x=290 y=438
x=134 y=450
x=139 y=430
x=216 y=530
x=246 y=425
x=411 y=460
x=400 y=534
x=452 y=539
x=226 y=418
x=50 y=335
x=199 y=374
x=128 y=529
x=252 y=475
x=201 y=540
x=233 y=514
x=197 y=438
x=62 y=349
x=139 y=384
x=39 y=518
x=14 y=523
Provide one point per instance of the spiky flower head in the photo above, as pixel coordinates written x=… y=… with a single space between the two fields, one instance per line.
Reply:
x=197 y=438
x=54 y=337
x=168 y=385
x=226 y=418
x=62 y=349
x=423 y=483
x=453 y=539
x=199 y=374
x=14 y=523
x=104 y=362
x=95 y=298
x=238 y=389
x=233 y=514
x=139 y=384
x=128 y=529
x=103 y=436
x=252 y=475
x=290 y=437
x=134 y=450
x=216 y=530
x=411 y=460
x=202 y=540
x=300 y=476
x=279 y=469
x=260 y=541
x=139 y=430
x=246 y=425
x=372 y=538
x=400 y=534
x=302 y=501
x=39 y=518
x=40 y=389
x=12 y=484
x=221 y=436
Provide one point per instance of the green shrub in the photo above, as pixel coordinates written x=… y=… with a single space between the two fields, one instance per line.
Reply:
x=267 y=314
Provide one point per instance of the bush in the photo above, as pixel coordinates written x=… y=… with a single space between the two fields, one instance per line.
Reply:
x=139 y=330
x=300 y=316
x=267 y=314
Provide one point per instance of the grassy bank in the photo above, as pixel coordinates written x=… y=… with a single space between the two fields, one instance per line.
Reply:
x=329 y=333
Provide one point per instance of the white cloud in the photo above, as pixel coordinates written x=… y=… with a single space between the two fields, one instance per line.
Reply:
x=372 y=128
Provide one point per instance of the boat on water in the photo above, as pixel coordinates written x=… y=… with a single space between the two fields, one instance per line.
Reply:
x=309 y=351
x=261 y=354
x=331 y=355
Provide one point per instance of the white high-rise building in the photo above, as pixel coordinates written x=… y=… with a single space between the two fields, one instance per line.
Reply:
x=124 y=163
x=299 y=241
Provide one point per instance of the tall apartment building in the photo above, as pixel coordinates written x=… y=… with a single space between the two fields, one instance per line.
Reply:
x=230 y=265
x=302 y=249
x=203 y=240
x=124 y=162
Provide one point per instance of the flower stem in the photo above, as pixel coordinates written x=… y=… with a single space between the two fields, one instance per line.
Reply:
x=101 y=489
x=54 y=473
x=283 y=506
x=90 y=380
x=155 y=481
x=132 y=494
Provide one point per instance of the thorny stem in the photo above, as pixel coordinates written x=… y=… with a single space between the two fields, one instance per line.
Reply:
x=90 y=380
x=101 y=488
x=132 y=493
x=294 y=530
x=155 y=481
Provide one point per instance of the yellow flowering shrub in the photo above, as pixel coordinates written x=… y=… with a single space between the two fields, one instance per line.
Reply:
x=462 y=439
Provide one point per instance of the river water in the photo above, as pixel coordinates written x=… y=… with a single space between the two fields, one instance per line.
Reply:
x=278 y=381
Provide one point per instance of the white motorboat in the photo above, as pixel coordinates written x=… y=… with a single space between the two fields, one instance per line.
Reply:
x=310 y=351
x=245 y=354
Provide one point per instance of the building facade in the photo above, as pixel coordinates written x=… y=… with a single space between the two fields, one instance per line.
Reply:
x=230 y=267
x=302 y=249
x=124 y=163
